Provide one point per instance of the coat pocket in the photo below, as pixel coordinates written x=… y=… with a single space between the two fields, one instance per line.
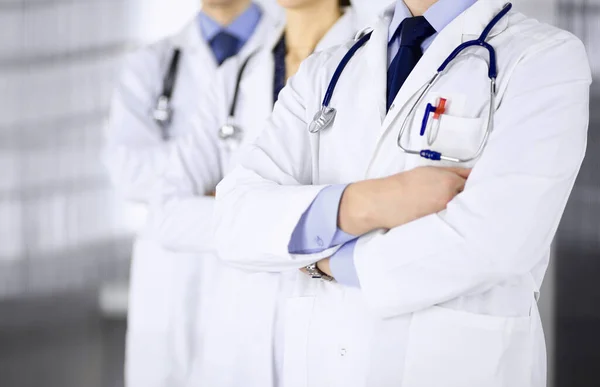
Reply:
x=452 y=136
x=297 y=319
x=457 y=349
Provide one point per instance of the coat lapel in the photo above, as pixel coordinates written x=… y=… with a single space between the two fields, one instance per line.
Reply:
x=376 y=56
x=189 y=40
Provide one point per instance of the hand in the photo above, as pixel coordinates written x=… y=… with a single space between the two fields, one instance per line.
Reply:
x=398 y=199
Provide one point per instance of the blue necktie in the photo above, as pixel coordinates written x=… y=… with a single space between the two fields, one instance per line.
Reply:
x=413 y=32
x=224 y=46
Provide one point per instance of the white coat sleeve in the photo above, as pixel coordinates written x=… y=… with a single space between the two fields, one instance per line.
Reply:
x=180 y=212
x=135 y=153
x=503 y=224
x=260 y=203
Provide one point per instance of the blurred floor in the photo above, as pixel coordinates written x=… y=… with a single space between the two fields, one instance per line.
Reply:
x=60 y=342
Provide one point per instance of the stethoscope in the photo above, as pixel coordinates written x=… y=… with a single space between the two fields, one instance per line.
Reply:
x=325 y=117
x=163 y=112
x=229 y=133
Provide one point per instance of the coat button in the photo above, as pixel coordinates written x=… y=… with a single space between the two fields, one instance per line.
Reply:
x=393 y=106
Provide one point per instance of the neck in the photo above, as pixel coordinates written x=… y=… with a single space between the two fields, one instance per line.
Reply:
x=224 y=14
x=419 y=7
x=306 y=26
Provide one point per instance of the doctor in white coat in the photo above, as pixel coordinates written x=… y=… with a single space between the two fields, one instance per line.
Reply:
x=160 y=91
x=239 y=309
x=436 y=265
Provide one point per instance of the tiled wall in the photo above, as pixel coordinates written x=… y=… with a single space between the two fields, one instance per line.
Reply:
x=61 y=227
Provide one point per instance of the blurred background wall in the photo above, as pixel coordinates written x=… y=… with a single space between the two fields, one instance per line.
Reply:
x=63 y=233
x=60 y=224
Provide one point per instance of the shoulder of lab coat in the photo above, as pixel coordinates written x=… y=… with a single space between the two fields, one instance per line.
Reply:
x=260 y=202
x=342 y=31
x=501 y=227
x=134 y=149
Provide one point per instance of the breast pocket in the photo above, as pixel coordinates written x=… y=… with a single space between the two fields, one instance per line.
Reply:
x=453 y=136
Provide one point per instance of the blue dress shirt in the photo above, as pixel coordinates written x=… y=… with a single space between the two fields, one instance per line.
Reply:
x=242 y=27
x=317 y=229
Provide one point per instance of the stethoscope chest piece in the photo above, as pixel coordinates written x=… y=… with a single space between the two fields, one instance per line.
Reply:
x=231 y=134
x=323 y=119
x=162 y=113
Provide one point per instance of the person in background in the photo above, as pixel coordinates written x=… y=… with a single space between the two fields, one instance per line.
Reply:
x=241 y=311
x=161 y=88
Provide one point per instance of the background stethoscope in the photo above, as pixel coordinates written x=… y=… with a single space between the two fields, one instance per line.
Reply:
x=230 y=133
x=326 y=116
x=163 y=112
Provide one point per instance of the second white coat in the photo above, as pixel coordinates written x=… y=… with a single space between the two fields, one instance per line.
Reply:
x=239 y=309
x=164 y=332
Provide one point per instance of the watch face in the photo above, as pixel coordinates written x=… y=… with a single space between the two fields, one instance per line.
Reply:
x=316 y=273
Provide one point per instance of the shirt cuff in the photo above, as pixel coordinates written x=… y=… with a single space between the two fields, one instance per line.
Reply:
x=342 y=265
x=317 y=229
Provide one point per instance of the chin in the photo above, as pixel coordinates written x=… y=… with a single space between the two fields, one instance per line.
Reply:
x=297 y=4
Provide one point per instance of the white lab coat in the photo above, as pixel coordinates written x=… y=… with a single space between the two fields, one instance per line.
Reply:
x=446 y=300
x=165 y=285
x=239 y=308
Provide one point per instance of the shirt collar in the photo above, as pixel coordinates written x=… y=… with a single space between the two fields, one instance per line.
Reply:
x=439 y=15
x=242 y=27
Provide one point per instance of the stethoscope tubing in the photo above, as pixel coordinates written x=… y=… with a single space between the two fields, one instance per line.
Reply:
x=326 y=115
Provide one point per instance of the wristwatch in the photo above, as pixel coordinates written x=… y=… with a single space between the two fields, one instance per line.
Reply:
x=316 y=273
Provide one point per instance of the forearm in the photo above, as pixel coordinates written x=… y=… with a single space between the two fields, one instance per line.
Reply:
x=356 y=213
